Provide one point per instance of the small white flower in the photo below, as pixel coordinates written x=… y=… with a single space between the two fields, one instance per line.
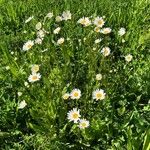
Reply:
x=99 y=22
x=60 y=41
x=19 y=93
x=128 y=57
x=41 y=34
x=98 y=41
x=49 y=15
x=22 y=104
x=28 y=45
x=29 y=19
x=97 y=29
x=56 y=31
x=106 y=30
x=74 y=115
x=85 y=21
x=58 y=18
x=12 y=53
x=7 y=67
x=38 y=41
x=66 y=96
x=122 y=31
x=98 y=77
x=83 y=123
x=38 y=26
x=34 y=77
x=99 y=94
x=66 y=15
x=75 y=94
x=105 y=51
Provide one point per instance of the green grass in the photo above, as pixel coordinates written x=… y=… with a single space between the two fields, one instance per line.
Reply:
x=120 y=121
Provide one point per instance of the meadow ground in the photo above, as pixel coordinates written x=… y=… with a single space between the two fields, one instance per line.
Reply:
x=69 y=82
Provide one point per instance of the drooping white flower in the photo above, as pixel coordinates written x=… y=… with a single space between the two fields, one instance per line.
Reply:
x=66 y=96
x=75 y=94
x=66 y=15
x=22 y=104
x=106 y=30
x=128 y=57
x=105 y=51
x=38 y=26
x=29 y=19
x=83 y=123
x=56 y=31
x=85 y=21
x=99 y=77
x=34 y=77
x=28 y=45
x=121 y=31
x=74 y=115
x=60 y=41
x=98 y=41
x=99 y=22
x=99 y=94
x=58 y=18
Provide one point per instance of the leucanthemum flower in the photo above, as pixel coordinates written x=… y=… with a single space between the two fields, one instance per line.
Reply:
x=66 y=96
x=106 y=30
x=83 y=123
x=97 y=29
x=56 y=31
x=128 y=57
x=22 y=104
x=41 y=33
x=98 y=41
x=99 y=94
x=75 y=94
x=122 y=31
x=105 y=51
x=66 y=15
x=60 y=41
x=34 y=77
x=85 y=21
x=28 y=45
x=35 y=68
x=74 y=115
x=29 y=19
x=99 y=77
x=38 y=40
x=99 y=22
x=58 y=18
x=38 y=26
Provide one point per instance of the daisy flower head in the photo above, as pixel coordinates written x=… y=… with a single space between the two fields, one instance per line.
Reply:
x=38 y=26
x=85 y=21
x=60 y=41
x=38 y=40
x=83 y=123
x=28 y=45
x=74 y=115
x=35 y=68
x=105 y=51
x=22 y=104
x=99 y=94
x=97 y=29
x=29 y=19
x=99 y=77
x=66 y=15
x=98 y=41
x=34 y=77
x=106 y=30
x=128 y=57
x=66 y=96
x=58 y=18
x=75 y=94
x=56 y=31
x=99 y=22
x=121 y=31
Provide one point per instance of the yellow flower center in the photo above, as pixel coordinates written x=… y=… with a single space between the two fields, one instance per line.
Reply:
x=96 y=29
x=29 y=46
x=34 y=78
x=75 y=116
x=76 y=94
x=83 y=124
x=99 y=95
x=100 y=22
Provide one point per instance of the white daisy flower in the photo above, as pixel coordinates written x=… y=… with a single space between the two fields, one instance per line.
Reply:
x=49 y=15
x=34 y=77
x=85 y=21
x=128 y=57
x=99 y=22
x=38 y=41
x=35 y=68
x=29 y=19
x=28 y=45
x=66 y=15
x=98 y=41
x=99 y=77
x=58 y=18
x=97 y=29
x=38 y=26
x=22 y=104
x=75 y=94
x=66 y=96
x=19 y=93
x=122 y=31
x=99 y=94
x=106 y=30
x=74 y=115
x=41 y=34
x=56 y=31
x=60 y=41
x=105 y=51
x=83 y=123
